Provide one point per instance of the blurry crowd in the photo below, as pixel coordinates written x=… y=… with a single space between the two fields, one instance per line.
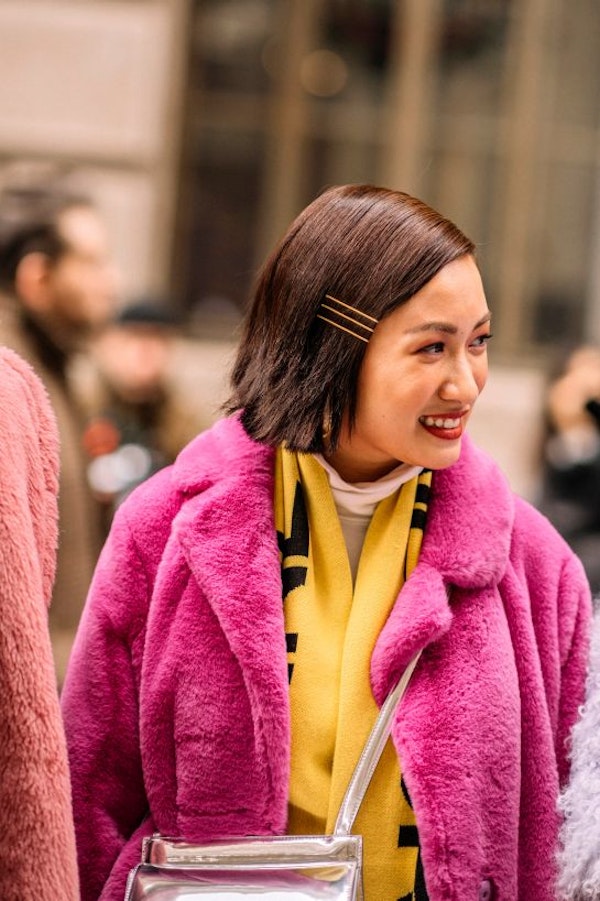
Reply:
x=106 y=360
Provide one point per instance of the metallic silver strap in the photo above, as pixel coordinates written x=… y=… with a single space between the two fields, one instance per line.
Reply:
x=371 y=753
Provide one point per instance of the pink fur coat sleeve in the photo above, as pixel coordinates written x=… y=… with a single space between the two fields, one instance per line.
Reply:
x=37 y=847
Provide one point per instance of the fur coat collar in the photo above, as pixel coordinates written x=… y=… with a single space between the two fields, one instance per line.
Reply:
x=466 y=543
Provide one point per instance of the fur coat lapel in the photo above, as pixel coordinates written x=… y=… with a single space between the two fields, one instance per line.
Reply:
x=235 y=511
x=466 y=544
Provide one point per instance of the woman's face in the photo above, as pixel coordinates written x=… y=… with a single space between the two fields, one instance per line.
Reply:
x=423 y=370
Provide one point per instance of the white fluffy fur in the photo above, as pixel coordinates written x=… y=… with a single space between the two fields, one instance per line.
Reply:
x=579 y=858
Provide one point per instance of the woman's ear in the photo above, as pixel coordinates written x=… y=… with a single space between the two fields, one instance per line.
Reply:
x=32 y=282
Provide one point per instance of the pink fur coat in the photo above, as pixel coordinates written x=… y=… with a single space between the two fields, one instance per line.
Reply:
x=37 y=842
x=176 y=702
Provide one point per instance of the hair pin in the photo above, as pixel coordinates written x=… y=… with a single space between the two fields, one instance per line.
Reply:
x=333 y=308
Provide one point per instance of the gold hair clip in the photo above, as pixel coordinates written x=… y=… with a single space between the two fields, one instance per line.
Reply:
x=339 y=314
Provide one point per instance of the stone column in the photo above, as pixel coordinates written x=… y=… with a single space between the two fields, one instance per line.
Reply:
x=286 y=153
x=516 y=213
x=407 y=114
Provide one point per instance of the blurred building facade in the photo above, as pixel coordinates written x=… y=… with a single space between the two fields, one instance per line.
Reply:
x=206 y=125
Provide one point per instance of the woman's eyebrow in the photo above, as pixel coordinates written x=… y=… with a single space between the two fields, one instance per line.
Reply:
x=445 y=327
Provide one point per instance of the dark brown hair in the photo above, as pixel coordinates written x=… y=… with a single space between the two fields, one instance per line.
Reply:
x=370 y=247
x=32 y=201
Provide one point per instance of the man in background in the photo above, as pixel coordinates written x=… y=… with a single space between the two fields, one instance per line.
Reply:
x=58 y=286
x=138 y=415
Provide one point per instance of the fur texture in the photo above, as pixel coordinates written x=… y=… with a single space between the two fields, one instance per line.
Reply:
x=176 y=702
x=79 y=513
x=37 y=843
x=579 y=857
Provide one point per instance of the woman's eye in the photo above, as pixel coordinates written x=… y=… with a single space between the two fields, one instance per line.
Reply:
x=481 y=340
x=436 y=348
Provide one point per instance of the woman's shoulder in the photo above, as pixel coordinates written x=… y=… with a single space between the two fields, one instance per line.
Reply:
x=223 y=452
x=542 y=560
x=534 y=530
x=10 y=360
x=478 y=474
x=20 y=382
x=29 y=462
x=221 y=455
x=487 y=526
x=26 y=411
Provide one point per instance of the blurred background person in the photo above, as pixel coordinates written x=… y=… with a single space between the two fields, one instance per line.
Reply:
x=58 y=285
x=571 y=461
x=37 y=843
x=137 y=417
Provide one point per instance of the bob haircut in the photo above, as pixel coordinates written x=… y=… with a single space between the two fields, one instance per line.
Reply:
x=370 y=247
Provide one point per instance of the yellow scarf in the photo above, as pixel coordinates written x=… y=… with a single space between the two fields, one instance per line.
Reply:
x=331 y=630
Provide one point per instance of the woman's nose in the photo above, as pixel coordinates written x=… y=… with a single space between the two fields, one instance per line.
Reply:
x=460 y=382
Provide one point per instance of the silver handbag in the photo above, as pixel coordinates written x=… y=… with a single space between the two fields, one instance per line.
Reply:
x=274 y=868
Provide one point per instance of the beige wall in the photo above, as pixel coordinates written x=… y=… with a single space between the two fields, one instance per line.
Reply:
x=98 y=83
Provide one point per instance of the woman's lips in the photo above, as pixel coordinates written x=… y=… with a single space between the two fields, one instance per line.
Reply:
x=449 y=428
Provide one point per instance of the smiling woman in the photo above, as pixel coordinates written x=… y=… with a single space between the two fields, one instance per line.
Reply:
x=258 y=600
x=427 y=359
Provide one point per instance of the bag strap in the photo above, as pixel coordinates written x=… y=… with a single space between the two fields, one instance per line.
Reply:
x=372 y=751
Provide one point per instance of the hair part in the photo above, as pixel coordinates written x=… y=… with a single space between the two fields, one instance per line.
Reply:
x=370 y=247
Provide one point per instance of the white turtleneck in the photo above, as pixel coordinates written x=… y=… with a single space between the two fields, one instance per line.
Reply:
x=355 y=503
